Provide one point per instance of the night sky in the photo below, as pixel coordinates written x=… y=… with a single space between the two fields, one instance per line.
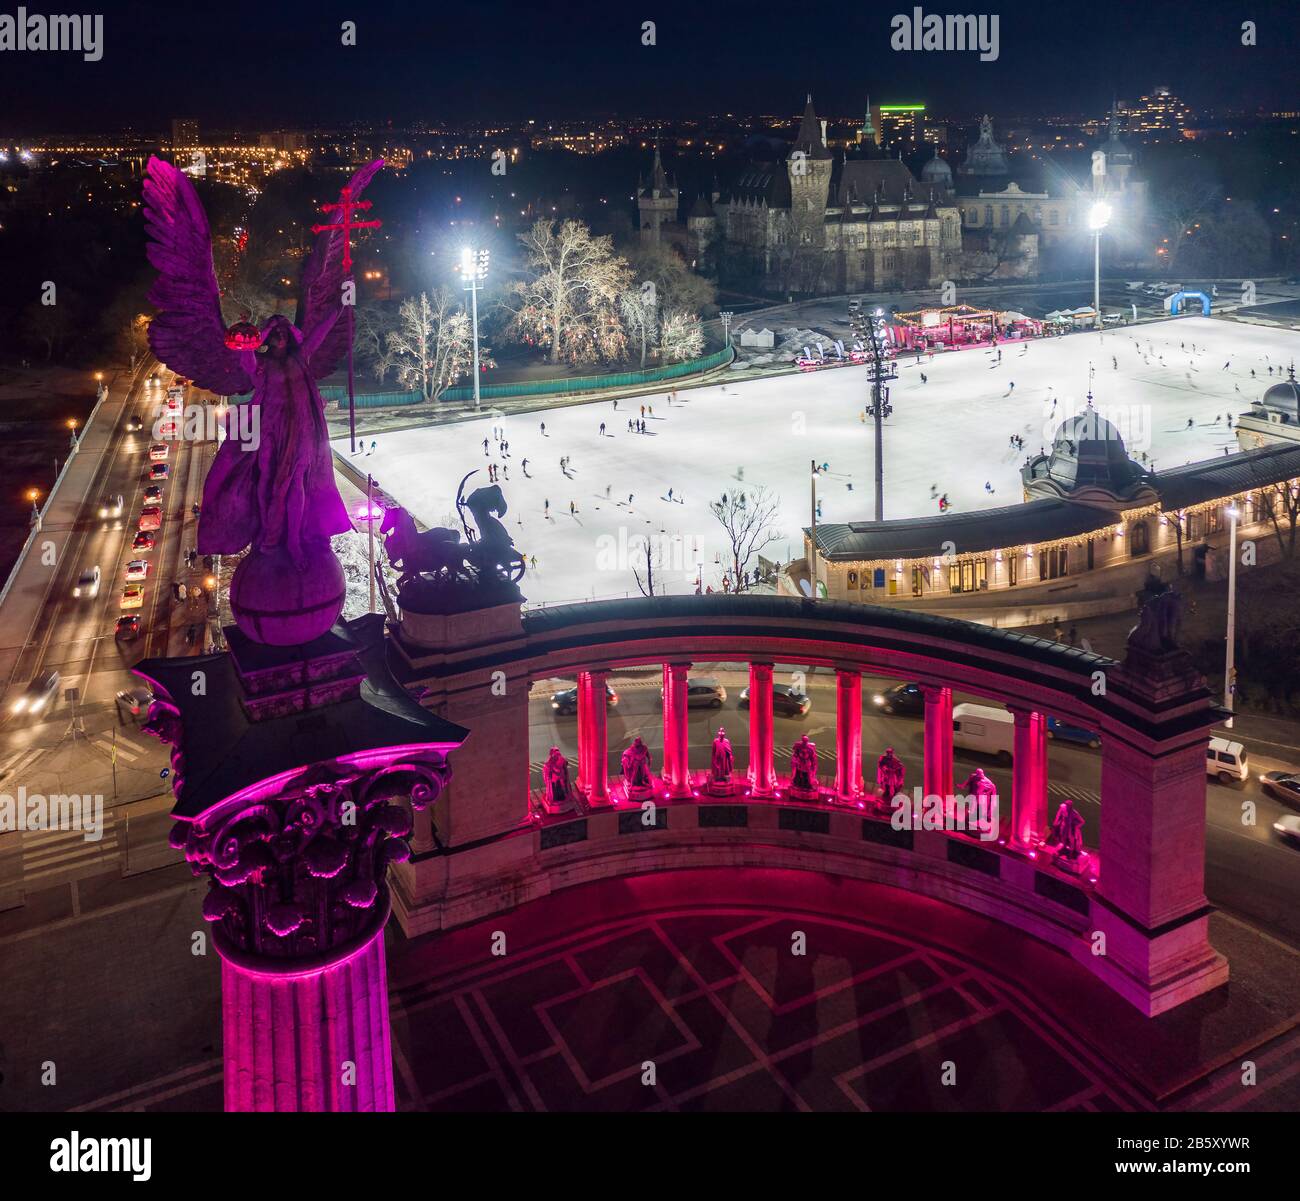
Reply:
x=261 y=66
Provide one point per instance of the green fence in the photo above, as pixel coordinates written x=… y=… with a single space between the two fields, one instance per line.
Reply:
x=544 y=387
x=370 y=400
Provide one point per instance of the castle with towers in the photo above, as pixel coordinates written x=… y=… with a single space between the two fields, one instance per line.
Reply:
x=826 y=222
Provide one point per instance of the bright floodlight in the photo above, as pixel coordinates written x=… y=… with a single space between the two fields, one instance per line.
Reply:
x=473 y=263
x=1099 y=215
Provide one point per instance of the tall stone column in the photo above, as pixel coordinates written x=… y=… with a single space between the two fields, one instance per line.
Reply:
x=938 y=741
x=312 y=1041
x=593 y=737
x=762 y=775
x=848 y=735
x=1028 y=779
x=677 y=733
x=298 y=898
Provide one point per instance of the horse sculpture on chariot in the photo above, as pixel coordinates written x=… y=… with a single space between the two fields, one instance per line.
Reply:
x=439 y=563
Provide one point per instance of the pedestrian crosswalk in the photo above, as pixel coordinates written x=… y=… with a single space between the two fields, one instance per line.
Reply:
x=53 y=856
x=14 y=766
x=126 y=750
x=1064 y=792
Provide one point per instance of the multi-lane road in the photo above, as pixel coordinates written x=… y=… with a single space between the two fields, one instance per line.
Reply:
x=93 y=745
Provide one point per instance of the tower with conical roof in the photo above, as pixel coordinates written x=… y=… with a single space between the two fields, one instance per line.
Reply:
x=867 y=135
x=809 y=167
x=1119 y=158
x=657 y=203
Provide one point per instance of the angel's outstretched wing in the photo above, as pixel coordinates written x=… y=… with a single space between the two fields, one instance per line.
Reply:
x=188 y=334
x=320 y=291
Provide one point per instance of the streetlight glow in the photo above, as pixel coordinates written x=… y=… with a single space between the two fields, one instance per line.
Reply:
x=473 y=270
x=1099 y=215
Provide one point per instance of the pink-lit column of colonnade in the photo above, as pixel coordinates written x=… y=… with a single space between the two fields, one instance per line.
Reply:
x=1028 y=808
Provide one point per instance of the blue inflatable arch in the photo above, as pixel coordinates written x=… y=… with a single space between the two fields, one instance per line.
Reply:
x=1179 y=299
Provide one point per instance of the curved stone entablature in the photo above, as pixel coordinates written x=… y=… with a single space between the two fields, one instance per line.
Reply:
x=1005 y=665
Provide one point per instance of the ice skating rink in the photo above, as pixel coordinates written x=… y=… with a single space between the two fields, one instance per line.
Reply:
x=952 y=432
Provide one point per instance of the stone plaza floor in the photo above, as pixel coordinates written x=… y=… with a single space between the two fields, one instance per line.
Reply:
x=898 y=1003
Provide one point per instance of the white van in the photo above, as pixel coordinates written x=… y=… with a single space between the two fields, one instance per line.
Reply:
x=1226 y=761
x=984 y=728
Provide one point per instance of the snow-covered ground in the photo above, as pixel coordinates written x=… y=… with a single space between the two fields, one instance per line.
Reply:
x=951 y=432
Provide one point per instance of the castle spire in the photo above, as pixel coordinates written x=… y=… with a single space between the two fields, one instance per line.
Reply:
x=810 y=139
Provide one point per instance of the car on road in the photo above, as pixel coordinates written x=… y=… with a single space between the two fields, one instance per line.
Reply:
x=134 y=424
x=159 y=471
x=132 y=596
x=111 y=506
x=137 y=569
x=1288 y=829
x=142 y=541
x=135 y=700
x=153 y=492
x=787 y=700
x=38 y=695
x=128 y=627
x=702 y=692
x=87 y=585
x=565 y=702
x=150 y=518
x=1284 y=785
x=158 y=452
x=1226 y=761
x=1063 y=731
x=900 y=698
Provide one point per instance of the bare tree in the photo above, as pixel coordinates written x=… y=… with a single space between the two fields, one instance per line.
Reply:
x=46 y=325
x=1281 y=500
x=680 y=337
x=372 y=326
x=432 y=345
x=676 y=285
x=1177 y=212
x=569 y=303
x=640 y=315
x=652 y=553
x=748 y=517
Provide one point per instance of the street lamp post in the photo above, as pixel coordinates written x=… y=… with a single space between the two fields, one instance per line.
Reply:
x=1229 y=671
x=812 y=557
x=473 y=269
x=1098 y=219
x=726 y=316
x=879 y=370
x=370 y=534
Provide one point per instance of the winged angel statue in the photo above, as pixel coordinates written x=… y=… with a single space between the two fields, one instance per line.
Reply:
x=276 y=493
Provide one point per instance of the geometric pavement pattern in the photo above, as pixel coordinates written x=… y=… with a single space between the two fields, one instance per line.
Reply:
x=732 y=1020
x=868 y=1018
